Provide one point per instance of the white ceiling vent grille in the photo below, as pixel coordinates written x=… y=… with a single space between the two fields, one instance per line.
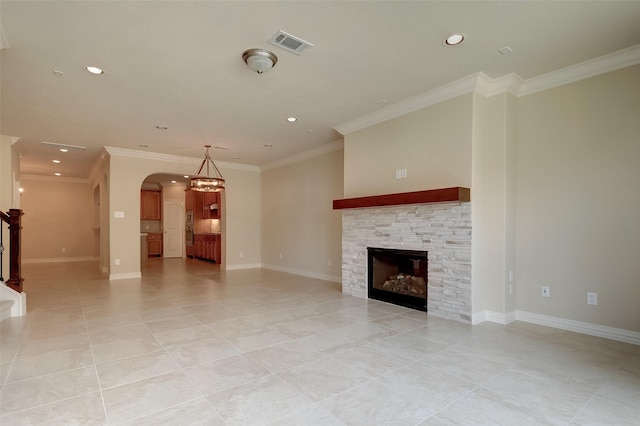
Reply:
x=290 y=43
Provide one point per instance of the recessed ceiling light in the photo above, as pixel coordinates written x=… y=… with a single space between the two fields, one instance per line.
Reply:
x=161 y=127
x=292 y=119
x=57 y=73
x=173 y=181
x=56 y=161
x=58 y=174
x=95 y=70
x=186 y=176
x=144 y=145
x=64 y=150
x=268 y=146
x=454 y=39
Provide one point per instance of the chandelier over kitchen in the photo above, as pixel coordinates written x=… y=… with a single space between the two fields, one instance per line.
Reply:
x=207 y=183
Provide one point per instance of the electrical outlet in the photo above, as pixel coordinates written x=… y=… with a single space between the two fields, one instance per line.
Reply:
x=117 y=262
x=592 y=298
x=64 y=249
x=241 y=255
x=545 y=291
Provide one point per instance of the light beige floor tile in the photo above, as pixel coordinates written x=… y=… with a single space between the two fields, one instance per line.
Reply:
x=198 y=412
x=27 y=368
x=541 y=395
x=409 y=347
x=400 y=323
x=322 y=379
x=257 y=403
x=621 y=386
x=482 y=408
x=81 y=410
x=55 y=344
x=201 y=352
x=468 y=367
x=308 y=415
x=284 y=356
x=133 y=369
x=170 y=324
x=219 y=375
x=126 y=348
x=183 y=336
x=43 y=390
x=600 y=411
x=148 y=396
x=344 y=338
x=257 y=339
x=129 y=332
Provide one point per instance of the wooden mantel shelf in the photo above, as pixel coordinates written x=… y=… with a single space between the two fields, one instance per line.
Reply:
x=445 y=195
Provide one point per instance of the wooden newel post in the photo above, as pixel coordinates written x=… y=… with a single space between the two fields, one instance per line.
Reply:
x=15 y=280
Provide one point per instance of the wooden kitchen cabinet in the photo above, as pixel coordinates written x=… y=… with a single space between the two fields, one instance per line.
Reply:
x=150 y=205
x=207 y=247
x=154 y=245
x=211 y=205
x=188 y=199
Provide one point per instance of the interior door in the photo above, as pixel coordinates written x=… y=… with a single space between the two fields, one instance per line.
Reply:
x=173 y=239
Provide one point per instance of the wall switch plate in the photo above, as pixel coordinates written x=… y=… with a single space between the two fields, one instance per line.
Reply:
x=592 y=298
x=118 y=215
x=545 y=291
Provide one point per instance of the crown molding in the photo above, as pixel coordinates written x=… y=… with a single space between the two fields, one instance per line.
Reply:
x=432 y=97
x=486 y=86
x=24 y=176
x=311 y=153
x=604 y=64
x=131 y=153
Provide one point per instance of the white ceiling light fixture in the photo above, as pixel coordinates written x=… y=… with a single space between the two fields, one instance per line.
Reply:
x=454 y=39
x=292 y=119
x=95 y=70
x=207 y=183
x=259 y=60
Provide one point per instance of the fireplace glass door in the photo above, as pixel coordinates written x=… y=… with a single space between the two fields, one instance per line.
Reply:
x=398 y=276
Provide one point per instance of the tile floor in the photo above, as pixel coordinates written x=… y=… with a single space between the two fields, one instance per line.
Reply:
x=188 y=344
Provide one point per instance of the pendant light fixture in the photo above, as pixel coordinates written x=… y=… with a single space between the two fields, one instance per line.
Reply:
x=207 y=183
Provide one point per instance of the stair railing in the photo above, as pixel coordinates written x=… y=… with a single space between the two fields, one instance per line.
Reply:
x=12 y=219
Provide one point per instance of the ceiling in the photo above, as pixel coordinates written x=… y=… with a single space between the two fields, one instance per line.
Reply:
x=179 y=64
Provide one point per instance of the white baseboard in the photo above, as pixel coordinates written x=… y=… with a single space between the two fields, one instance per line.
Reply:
x=612 y=333
x=242 y=266
x=61 y=259
x=491 y=316
x=590 y=329
x=304 y=273
x=125 y=276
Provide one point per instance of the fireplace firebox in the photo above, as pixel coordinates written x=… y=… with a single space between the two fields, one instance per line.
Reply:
x=398 y=276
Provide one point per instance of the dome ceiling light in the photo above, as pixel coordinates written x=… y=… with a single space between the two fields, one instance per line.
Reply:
x=259 y=60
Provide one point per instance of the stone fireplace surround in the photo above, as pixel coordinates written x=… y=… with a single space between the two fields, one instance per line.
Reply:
x=442 y=228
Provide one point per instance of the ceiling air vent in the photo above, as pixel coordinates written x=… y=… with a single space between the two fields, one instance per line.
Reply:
x=289 y=42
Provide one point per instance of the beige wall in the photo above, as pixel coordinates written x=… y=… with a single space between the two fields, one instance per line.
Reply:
x=492 y=201
x=433 y=144
x=241 y=210
x=578 y=200
x=298 y=220
x=57 y=222
x=126 y=174
x=9 y=183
